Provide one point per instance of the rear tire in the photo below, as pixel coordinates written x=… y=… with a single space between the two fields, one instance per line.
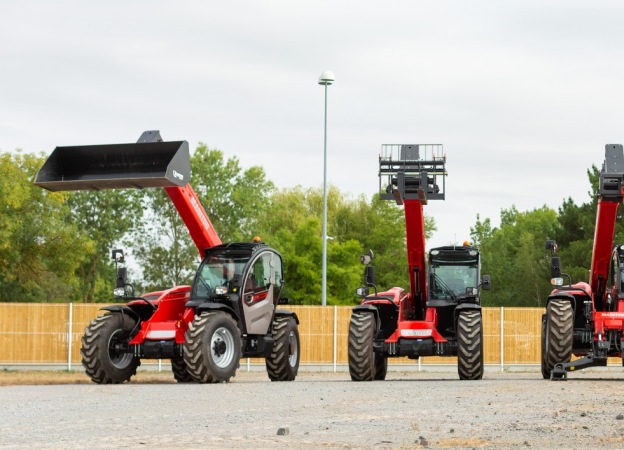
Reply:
x=544 y=362
x=180 y=371
x=469 y=345
x=102 y=359
x=212 y=348
x=283 y=363
x=381 y=367
x=361 y=356
x=558 y=329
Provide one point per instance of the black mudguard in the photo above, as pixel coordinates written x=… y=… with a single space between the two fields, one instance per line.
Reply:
x=286 y=313
x=369 y=308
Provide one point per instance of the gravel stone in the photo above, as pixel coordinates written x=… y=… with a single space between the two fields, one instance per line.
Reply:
x=319 y=410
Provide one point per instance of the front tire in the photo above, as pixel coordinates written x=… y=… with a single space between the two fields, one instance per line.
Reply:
x=180 y=370
x=558 y=334
x=283 y=363
x=361 y=356
x=103 y=355
x=212 y=348
x=469 y=345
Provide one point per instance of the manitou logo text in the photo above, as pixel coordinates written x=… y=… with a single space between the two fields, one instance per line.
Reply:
x=178 y=175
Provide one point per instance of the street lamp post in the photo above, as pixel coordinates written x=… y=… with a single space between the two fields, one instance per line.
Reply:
x=326 y=78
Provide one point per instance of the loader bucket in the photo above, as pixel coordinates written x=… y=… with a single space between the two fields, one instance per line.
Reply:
x=115 y=166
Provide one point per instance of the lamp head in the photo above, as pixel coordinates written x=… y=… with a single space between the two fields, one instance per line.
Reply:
x=326 y=78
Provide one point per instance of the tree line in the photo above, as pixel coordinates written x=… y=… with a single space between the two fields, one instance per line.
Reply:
x=514 y=253
x=56 y=246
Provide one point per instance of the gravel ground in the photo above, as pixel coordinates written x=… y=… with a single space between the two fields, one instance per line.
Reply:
x=321 y=410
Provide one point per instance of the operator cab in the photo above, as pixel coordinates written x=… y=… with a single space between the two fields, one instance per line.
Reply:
x=616 y=278
x=246 y=277
x=454 y=275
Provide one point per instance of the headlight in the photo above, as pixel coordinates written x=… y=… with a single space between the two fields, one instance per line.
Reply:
x=221 y=290
x=119 y=292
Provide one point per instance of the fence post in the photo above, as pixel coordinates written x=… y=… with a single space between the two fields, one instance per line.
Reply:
x=335 y=336
x=70 y=336
x=502 y=339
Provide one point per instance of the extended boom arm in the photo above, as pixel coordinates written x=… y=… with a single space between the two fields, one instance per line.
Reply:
x=610 y=194
x=411 y=175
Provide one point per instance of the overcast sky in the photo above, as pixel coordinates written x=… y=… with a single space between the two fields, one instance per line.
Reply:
x=522 y=94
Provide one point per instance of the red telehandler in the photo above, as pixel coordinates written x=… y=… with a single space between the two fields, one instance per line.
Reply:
x=441 y=313
x=587 y=319
x=229 y=312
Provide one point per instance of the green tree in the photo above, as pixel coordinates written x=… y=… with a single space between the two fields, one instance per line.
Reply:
x=233 y=198
x=514 y=256
x=37 y=246
x=163 y=246
x=293 y=226
x=106 y=217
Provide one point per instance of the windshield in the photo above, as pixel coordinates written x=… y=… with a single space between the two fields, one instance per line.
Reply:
x=217 y=270
x=450 y=281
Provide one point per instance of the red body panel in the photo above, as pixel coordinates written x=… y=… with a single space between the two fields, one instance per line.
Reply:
x=169 y=321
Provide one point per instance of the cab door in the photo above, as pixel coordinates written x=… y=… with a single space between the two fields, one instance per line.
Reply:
x=261 y=288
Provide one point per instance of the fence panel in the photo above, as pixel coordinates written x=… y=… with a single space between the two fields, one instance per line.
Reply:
x=34 y=333
x=522 y=335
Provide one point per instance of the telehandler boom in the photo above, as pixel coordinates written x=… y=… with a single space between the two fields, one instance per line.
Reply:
x=440 y=315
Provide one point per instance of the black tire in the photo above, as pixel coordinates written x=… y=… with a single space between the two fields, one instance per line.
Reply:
x=361 y=356
x=101 y=358
x=180 y=371
x=544 y=363
x=283 y=362
x=381 y=367
x=212 y=348
x=469 y=345
x=558 y=335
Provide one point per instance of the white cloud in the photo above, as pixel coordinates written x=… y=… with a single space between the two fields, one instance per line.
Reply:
x=523 y=94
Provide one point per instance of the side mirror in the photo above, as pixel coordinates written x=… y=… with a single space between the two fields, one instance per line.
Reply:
x=369 y=275
x=366 y=259
x=486 y=282
x=551 y=245
x=555 y=267
x=118 y=255
x=122 y=277
x=361 y=292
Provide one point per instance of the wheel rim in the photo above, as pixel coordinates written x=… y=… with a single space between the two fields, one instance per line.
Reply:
x=118 y=360
x=293 y=349
x=222 y=347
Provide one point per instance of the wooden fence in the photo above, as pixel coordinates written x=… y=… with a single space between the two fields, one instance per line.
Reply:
x=49 y=334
